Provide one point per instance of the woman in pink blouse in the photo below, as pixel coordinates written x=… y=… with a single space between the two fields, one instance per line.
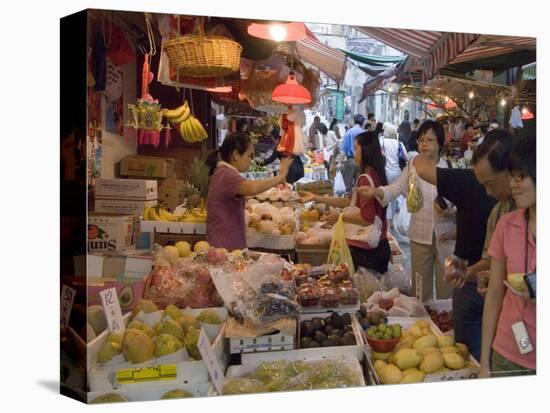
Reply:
x=225 y=203
x=512 y=250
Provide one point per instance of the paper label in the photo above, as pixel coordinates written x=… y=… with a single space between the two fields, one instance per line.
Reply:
x=153 y=373
x=111 y=306
x=67 y=300
x=212 y=363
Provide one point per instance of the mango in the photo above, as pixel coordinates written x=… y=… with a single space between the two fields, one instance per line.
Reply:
x=431 y=363
x=147 y=306
x=414 y=377
x=390 y=374
x=380 y=356
x=453 y=361
x=186 y=321
x=97 y=319
x=114 y=338
x=445 y=341
x=411 y=370
x=516 y=281
x=428 y=350
x=426 y=331
x=443 y=370
x=166 y=344
x=139 y=325
x=137 y=346
x=422 y=324
x=450 y=349
x=407 y=358
x=176 y=394
x=171 y=327
x=463 y=350
x=416 y=331
x=172 y=311
x=425 y=341
x=107 y=351
x=378 y=364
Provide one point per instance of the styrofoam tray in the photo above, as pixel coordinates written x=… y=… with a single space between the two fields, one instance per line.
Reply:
x=154 y=390
x=313 y=353
x=407 y=322
x=173 y=227
x=255 y=239
x=251 y=365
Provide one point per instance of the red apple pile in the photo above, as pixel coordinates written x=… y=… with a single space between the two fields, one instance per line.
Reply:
x=443 y=319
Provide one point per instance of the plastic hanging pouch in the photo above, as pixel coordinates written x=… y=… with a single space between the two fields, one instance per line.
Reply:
x=415 y=199
x=339 y=252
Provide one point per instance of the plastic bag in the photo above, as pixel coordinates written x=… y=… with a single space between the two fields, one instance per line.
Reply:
x=339 y=185
x=367 y=282
x=397 y=277
x=415 y=200
x=259 y=293
x=402 y=218
x=444 y=248
x=339 y=252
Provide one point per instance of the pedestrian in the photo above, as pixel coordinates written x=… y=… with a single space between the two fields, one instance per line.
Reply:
x=513 y=250
x=312 y=134
x=369 y=160
x=348 y=169
x=466 y=137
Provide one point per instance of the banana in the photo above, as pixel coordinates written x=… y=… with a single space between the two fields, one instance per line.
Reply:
x=200 y=132
x=153 y=215
x=184 y=132
x=189 y=131
x=184 y=115
x=175 y=113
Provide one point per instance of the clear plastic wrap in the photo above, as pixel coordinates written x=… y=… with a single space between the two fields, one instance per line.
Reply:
x=260 y=293
x=287 y=375
x=367 y=282
x=397 y=277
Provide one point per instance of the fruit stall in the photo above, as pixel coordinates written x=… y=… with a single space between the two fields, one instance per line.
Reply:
x=167 y=315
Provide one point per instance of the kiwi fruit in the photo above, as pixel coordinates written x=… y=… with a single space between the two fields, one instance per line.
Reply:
x=333 y=341
x=307 y=328
x=348 y=339
x=337 y=320
x=318 y=323
x=348 y=329
x=319 y=336
x=313 y=344
x=337 y=332
x=328 y=329
x=328 y=321
x=305 y=342
x=347 y=319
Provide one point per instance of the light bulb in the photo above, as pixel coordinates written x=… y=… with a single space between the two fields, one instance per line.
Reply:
x=503 y=102
x=471 y=95
x=277 y=32
x=524 y=110
x=406 y=100
x=446 y=99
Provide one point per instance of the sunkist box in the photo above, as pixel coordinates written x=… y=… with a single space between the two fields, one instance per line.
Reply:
x=147 y=166
x=109 y=232
x=140 y=189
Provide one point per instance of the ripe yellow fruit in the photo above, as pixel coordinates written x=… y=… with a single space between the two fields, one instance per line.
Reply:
x=445 y=341
x=431 y=363
x=516 y=281
x=390 y=374
x=184 y=248
x=425 y=341
x=407 y=358
x=201 y=246
x=463 y=350
x=171 y=252
x=453 y=361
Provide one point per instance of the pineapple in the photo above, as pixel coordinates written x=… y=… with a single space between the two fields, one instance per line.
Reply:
x=196 y=186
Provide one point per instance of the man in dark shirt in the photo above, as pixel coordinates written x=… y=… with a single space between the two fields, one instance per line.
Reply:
x=473 y=207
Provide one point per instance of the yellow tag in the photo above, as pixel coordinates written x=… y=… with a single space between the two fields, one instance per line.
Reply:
x=154 y=373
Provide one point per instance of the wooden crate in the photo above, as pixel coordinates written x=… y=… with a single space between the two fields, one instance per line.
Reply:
x=314 y=255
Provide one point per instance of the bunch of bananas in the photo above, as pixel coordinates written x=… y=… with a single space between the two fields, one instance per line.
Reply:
x=186 y=123
x=159 y=214
x=195 y=215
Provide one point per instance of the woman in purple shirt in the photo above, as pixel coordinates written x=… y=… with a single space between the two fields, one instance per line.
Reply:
x=225 y=226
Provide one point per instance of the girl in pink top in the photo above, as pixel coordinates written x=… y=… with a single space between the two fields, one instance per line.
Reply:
x=512 y=250
x=225 y=226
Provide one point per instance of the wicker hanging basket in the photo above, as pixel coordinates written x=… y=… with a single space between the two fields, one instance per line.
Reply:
x=198 y=55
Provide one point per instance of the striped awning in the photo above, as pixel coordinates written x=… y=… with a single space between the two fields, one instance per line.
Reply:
x=328 y=60
x=433 y=49
x=529 y=72
x=493 y=45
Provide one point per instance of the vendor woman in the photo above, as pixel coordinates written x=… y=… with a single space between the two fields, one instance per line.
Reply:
x=225 y=226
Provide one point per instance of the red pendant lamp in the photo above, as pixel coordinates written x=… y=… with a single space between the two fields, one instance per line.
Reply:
x=291 y=92
x=451 y=104
x=526 y=114
x=278 y=31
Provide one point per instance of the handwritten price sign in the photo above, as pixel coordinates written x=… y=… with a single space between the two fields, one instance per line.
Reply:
x=67 y=300
x=109 y=300
x=211 y=361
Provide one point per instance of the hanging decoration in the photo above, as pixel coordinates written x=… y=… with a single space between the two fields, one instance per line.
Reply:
x=291 y=92
x=146 y=115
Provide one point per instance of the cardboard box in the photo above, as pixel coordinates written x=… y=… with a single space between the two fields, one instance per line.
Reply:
x=170 y=193
x=122 y=206
x=136 y=189
x=109 y=232
x=147 y=166
x=179 y=169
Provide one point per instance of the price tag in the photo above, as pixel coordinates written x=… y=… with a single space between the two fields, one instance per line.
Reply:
x=154 y=373
x=67 y=300
x=211 y=361
x=418 y=279
x=109 y=299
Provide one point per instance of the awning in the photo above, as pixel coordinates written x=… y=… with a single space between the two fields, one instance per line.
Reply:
x=377 y=81
x=433 y=49
x=330 y=61
x=372 y=70
x=492 y=45
x=529 y=71
x=373 y=60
